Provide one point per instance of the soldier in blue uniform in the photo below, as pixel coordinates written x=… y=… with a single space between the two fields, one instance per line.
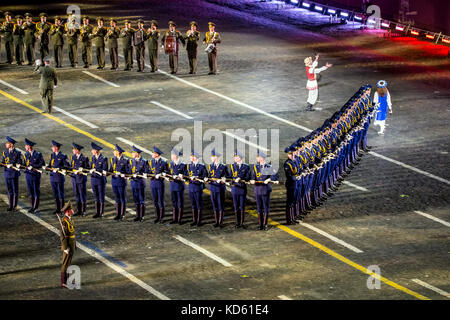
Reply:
x=99 y=168
x=79 y=163
x=119 y=166
x=291 y=171
x=263 y=173
x=138 y=166
x=218 y=173
x=177 y=169
x=196 y=171
x=158 y=167
x=59 y=163
x=240 y=173
x=34 y=161
x=12 y=159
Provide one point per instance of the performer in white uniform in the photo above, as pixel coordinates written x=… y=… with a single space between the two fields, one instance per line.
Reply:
x=382 y=100
x=311 y=85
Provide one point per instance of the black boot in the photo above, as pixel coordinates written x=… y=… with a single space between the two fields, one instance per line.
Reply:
x=78 y=212
x=194 y=218
x=123 y=209
x=309 y=107
x=216 y=224
x=102 y=209
x=199 y=217
x=36 y=204
x=142 y=212
x=58 y=206
x=63 y=280
x=242 y=220
x=10 y=199
x=238 y=219
x=83 y=209
x=221 y=219
x=157 y=215
x=118 y=208
x=174 y=216
x=97 y=210
x=180 y=215
x=138 y=213
x=31 y=210
x=161 y=215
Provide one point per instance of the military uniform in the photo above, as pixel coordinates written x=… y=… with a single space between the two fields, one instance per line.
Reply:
x=240 y=173
x=263 y=173
x=120 y=166
x=68 y=243
x=46 y=85
x=79 y=180
x=29 y=39
x=217 y=188
x=126 y=35
x=173 y=57
x=196 y=170
x=58 y=161
x=139 y=46
x=72 y=33
x=152 y=46
x=112 y=35
x=214 y=38
x=98 y=40
x=57 y=33
x=292 y=172
x=42 y=34
x=18 y=34
x=7 y=30
x=99 y=167
x=192 y=38
x=139 y=167
x=177 y=169
x=12 y=159
x=86 y=42
x=34 y=161
x=158 y=167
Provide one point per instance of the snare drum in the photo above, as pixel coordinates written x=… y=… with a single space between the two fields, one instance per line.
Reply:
x=210 y=48
x=170 y=45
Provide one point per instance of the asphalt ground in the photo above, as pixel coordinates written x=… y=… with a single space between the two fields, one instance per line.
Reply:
x=261 y=68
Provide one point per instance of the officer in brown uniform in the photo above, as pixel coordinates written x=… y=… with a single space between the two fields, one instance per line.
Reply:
x=152 y=44
x=47 y=84
x=18 y=33
x=112 y=35
x=68 y=243
x=57 y=33
x=7 y=29
x=212 y=37
x=173 y=57
x=86 y=43
x=139 y=37
x=126 y=35
x=29 y=38
x=42 y=34
x=72 y=30
x=192 y=37
x=98 y=40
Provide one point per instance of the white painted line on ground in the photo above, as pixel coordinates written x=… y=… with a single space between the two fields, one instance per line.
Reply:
x=101 y=79
x=404 y=165
x=245 y=141
x=13 y=87
x=229 y=246
x=283 y=297
x=429 y=216
x=172 y=110
x=332 y=238
x=429 y=286
x=204 y=251
x=95 y=255
x=355 y=186
x=93 y=126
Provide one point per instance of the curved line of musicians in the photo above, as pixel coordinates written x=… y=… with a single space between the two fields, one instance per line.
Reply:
x=318 y=163
x=138 y=169
x=24 y=34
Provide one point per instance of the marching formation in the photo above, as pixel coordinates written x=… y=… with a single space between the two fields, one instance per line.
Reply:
x=20 y=37
x=318 y=163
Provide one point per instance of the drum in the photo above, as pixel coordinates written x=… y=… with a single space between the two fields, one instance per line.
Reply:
x=210 y=48
x=170 y=44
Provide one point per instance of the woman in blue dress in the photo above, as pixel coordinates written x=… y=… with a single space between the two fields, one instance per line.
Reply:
x=382 y=100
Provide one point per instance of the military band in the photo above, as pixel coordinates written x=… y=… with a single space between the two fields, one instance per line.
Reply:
x=112 y=44
x=126 y=37
x=139 y=36
x=212 y=38
x=18 y=35
x=98 y=41
x=152 y=36
x=192 y=38
x=7 y=30
x=29 y=38
x=57 y=36
x=86 y=42
x=72 y=32
x=171 y=43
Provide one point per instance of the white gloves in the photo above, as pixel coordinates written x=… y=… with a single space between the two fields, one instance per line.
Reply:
x=158 y=176
x=180 y=176
x=223 y=180
x=66 y=251
x=9 y=166
x=30 y=168
x=206 y=179
x=145 y=176
x=267 y=181
x=18 y=165
x=134 y=175
x=122 y=175
x=91 y=171
x=237 y=179
x=38 y=62
x=104 y=172
x=252 y=181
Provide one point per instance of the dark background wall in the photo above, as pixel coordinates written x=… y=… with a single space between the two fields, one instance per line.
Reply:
x=433 y=15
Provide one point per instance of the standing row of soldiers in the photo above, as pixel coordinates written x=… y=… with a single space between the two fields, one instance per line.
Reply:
x=24 y=34
x=237 y=175
x=318 y=163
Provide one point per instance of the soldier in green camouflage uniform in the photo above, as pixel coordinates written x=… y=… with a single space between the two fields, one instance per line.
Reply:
x=86 y=44
x=7 y=29
x=42 y=34
x=72 y=32
x=126 y=35
x=18 y=34
x=192 y=37
x=112 y=35
x=98 y=40
x=29 y=38
x=57 y=33
x=152 y=44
